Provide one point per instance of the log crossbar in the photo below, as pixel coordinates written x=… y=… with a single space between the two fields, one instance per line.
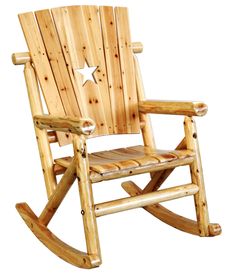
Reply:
x=21 y=58
x=145 y=199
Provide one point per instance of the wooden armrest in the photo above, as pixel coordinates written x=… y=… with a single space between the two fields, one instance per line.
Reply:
x=65 y=124
x=173 y=107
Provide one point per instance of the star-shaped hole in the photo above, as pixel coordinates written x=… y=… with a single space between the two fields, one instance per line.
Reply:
x=87 y=73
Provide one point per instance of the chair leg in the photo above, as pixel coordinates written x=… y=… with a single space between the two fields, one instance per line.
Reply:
x=197 y=177
x=86 y=197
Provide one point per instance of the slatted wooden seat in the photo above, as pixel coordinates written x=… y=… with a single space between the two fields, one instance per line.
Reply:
x=62 y=43
x=129 y=160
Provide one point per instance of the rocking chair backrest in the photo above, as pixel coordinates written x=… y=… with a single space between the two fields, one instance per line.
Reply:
x=63 y=40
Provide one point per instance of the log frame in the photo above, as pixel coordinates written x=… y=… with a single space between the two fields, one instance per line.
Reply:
x=169 y=217
x=20 y=58
x=59 y=248
x=86 y=197
x=85 y=126
x=197 y=176
x=188 y=108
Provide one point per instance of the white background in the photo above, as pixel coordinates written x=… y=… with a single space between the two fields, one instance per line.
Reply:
x=189 y=53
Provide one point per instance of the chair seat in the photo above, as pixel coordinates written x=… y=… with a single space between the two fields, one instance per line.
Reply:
x=121 y=162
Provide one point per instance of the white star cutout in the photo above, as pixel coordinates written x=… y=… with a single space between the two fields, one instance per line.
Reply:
x=87 y=73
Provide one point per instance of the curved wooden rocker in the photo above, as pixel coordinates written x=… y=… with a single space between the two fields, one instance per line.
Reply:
x=58 y=247
x=169 y=217
x=62 y=42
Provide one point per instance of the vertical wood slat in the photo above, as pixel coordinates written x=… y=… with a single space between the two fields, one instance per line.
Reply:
x=42 y=67
x=78 y=28
x=61 y=44
x=127 y=69
x=58 y=65
x=41 y=135
x=110 y=42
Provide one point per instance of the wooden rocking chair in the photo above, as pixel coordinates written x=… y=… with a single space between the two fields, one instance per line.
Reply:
x=61 y=42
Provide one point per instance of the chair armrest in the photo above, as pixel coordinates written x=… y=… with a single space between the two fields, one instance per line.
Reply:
x=65 y=124
x=173 y=107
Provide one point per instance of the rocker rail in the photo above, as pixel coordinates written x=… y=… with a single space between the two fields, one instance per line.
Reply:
x=145 y=199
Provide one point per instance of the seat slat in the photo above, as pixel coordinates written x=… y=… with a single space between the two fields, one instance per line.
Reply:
x=42 y=67
x=117 y=159
x=130 y=160
x=127 y=69
x=139 y=157
x=113 y=69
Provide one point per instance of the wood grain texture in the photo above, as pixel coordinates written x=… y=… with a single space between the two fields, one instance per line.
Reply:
x=173 y=107
x=127 y=69
x=20 y=58
x=42 y=67
x=105 y=165
x=147 y=132
x=57 y=62
x=58 y=247
x=79 y=28
x=86 y=197
x=145 y=199
x=197 y=176
x=113 y=69
x=169 y=217
x=159 y=177
x=58 y=195
x=65 y=123
x=41 y=135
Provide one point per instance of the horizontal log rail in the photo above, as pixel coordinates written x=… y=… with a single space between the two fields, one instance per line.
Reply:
x=21 y=58
x=187 y=108
x=145 y=199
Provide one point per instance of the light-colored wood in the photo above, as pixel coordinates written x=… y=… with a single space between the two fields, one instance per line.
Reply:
x=41 y=135
x=52 y=137
x=197 y=176
x=159 y=177
x=42 y=67
x=137 y=47
x=145 y=199
x=57 y=62
x=169 y=217
x=58 y=195
x=65 y=123
x=61 y=249
x=109 y=173
x=113 y=69
x=118 y=160
x=94 y=98
x=147 y=132
x=62 y=41
x=173 y=107
x=86 y=196
x=127 y=69
x=21 y=58
x=163 y=213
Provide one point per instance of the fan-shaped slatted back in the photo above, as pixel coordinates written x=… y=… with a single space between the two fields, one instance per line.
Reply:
x=61 y=41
